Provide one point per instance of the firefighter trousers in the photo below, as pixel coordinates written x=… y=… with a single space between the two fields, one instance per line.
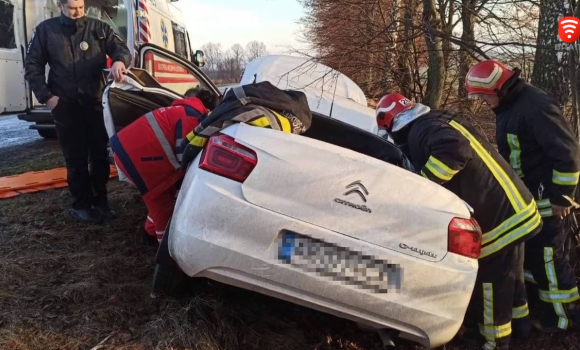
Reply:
x=547 y=265
x=83 y=138
x=499 y=300
x=160 y=211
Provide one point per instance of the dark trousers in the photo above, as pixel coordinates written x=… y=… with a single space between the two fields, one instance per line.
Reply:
x=499 y=300
x=547 y=264
x=83 y=141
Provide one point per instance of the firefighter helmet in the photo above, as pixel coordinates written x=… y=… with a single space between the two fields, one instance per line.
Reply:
x=486 y=78
x=394 y=111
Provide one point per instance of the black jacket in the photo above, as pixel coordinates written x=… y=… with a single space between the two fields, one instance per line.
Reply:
x=74 y=74
x=538 y=142
x=450 y=152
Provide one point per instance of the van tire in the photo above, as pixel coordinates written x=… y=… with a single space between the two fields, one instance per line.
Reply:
x=168 y=280
x=47 y=133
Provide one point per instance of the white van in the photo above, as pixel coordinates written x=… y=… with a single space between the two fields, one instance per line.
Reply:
x=157 y=22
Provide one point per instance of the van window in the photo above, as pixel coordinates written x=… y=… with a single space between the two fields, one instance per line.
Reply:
x=179 y=38
x=7 y=38
x=169 y=73
x=112 y=12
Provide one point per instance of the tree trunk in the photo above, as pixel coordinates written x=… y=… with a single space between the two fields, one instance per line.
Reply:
x=446 y=14
x=392 y=47
x=548 y=73
x=468 y=37
x=404 y=77
x=436 y=70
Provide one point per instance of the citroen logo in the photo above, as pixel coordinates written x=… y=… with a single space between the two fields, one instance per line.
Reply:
x=358 y=188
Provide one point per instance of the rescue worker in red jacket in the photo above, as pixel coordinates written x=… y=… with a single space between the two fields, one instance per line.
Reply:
x=148 y=152
x=538 y=142
x=450 y=152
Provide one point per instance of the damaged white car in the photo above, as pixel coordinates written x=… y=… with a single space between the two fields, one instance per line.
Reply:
x=331 y=219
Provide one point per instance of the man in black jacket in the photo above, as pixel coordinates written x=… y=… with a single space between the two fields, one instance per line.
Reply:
x=450 y=152
x=538 y=142
x=75 y=48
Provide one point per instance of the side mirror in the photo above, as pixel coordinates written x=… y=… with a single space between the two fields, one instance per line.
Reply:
x=198 y=58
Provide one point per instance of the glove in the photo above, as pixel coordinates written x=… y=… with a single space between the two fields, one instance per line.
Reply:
x=189 y=153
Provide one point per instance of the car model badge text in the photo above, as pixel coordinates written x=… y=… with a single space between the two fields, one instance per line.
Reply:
x=417 y=250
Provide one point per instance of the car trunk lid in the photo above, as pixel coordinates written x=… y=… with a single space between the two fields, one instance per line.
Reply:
x=349 y=193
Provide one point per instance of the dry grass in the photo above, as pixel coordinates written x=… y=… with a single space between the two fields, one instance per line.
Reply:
x=68 y=286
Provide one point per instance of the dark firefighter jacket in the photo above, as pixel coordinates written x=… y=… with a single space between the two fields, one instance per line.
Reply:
x=451 y=153
x=75 y=74
x=538 y=142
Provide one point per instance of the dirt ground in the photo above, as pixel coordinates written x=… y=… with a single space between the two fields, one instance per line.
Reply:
x=68 y=286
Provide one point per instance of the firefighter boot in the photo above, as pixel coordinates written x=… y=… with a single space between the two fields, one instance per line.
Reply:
x=473 y=338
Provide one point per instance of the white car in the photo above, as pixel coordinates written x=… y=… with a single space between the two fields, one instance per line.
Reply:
x=329 y=220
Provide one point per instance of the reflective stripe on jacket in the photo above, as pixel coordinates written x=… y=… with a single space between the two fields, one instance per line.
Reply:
x=538 y=142
x=450 y=152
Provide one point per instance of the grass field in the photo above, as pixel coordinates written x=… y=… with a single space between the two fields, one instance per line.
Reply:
x=64 y=285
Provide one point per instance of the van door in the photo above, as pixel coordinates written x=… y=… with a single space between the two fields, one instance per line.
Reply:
x=13 y=96
x=172 y=71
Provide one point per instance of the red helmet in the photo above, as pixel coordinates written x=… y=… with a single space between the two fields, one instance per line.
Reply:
x=487 y=78
x=389 y=107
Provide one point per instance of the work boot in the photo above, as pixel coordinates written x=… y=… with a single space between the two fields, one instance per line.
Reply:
x=105 y=211
x=470 y=336
x=146 y=239
x=537 y=324
x=521 y=328
x=87 y=216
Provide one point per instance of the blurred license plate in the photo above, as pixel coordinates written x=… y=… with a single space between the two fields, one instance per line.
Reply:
x=339 y=263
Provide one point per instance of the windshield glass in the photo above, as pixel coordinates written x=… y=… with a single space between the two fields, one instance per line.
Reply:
x=112 y=12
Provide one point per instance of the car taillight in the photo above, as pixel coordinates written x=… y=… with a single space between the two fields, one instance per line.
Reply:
x=225 y=157
x=464 y=237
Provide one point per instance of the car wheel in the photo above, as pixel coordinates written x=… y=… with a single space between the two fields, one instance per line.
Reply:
x=47 y=133
x=168 y=280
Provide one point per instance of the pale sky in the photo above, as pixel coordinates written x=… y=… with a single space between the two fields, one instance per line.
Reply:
x=234 y=21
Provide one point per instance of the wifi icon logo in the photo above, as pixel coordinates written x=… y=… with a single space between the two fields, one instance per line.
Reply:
x=569 y=29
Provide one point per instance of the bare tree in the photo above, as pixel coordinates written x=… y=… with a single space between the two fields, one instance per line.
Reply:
x=255 y=49
x=213 y=52
x=238 y=54
x=227 y=66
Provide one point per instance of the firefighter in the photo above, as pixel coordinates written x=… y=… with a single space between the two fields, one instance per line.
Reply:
x=538 y=142
x=137 y=149
x=76 y=47
x=450 y=152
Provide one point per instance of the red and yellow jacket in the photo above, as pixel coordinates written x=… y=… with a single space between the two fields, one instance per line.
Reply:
x=148 y=151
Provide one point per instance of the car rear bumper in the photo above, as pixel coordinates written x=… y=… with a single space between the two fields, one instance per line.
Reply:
x=215 y=233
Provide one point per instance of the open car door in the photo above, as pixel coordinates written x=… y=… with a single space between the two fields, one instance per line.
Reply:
x=159 y=78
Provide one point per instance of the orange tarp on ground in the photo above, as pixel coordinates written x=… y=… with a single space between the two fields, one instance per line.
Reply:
x=34 y=181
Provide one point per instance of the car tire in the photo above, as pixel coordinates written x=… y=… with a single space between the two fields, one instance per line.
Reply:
x=47 y=133
x=168 y=280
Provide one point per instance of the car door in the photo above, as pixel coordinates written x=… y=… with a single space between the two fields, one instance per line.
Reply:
x=173 y=71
